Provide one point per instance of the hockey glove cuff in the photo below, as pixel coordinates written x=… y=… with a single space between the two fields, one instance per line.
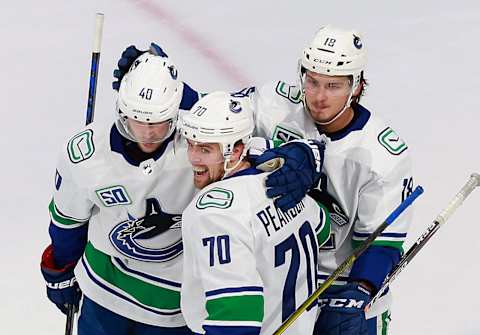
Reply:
x=342 y=311
x=62 y=287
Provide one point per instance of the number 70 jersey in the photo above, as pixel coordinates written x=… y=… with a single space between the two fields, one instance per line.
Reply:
x=248 y=265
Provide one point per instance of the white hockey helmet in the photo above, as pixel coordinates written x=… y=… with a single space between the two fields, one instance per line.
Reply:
x=150 y=92
x=219 y=118
x=335 y=52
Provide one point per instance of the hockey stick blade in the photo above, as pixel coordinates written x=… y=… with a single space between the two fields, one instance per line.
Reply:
x=349 y=261
x=464 y=192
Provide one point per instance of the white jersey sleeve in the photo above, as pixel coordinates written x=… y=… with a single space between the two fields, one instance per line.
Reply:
x=70 y=206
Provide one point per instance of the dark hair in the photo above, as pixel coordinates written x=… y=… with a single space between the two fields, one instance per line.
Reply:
x=364 y=84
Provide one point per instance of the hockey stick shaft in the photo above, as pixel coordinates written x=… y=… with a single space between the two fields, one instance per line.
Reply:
x=349 y=261
x=70 y=318
x=464 y=192
x=97 y=43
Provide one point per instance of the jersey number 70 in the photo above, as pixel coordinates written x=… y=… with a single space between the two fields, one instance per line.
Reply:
x=310 y=248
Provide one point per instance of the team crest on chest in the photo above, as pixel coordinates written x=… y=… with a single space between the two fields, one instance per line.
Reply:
x=153 y=238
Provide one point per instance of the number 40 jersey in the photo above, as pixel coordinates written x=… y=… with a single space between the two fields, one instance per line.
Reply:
x=248 y=265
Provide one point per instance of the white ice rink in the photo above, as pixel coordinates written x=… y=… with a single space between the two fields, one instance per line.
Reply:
x=424 y=74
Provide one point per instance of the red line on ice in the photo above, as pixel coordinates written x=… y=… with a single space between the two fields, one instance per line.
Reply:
x=208 y=51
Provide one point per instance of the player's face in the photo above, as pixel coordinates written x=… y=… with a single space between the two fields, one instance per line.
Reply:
x=325 y=95
x=149 y=136
x=207 y=163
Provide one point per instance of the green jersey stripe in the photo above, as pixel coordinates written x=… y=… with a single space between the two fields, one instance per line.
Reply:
x=324 y=233
x=146 y=293
x=62 y=220
x=236 y=308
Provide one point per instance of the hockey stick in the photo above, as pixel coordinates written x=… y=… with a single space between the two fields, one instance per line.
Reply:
x=349 y=261
x=97 y=43
x=464 y=192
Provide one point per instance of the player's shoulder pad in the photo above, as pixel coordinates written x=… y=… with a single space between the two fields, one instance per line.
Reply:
x=215 y=197
x=389 y=151
x=279 y=92
x=229 y=194
x=292 y=93
x=388 y=139
x=82 y=145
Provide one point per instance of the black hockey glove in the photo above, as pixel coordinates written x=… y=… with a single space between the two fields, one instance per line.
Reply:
x=303 y=160
x=128 y=57
x=62 y=287
x=342 y=311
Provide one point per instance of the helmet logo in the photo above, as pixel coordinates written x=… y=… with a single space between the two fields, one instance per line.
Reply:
x=357 y=42
x=134 y=65
x=235 y=106
x=173 y=72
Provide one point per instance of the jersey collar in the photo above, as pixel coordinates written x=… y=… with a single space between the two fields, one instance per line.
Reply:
x=361 y=116
x=245 y=172
x=117 y=144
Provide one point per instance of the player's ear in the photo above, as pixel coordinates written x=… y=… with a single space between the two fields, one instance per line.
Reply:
x=358 y=90
x=237 y=150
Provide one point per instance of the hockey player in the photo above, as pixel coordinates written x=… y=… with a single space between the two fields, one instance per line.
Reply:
x=367 y=170
x=107 y=182
x=247 y=264
x=116 y=211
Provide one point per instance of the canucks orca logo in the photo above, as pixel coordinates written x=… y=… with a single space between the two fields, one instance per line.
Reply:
x=235 y=106
x=173 y=72
x=133 y=237
x=357 y=42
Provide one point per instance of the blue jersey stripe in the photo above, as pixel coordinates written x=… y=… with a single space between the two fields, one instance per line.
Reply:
x=395 y=235
x=232 y=330
x=234 y=290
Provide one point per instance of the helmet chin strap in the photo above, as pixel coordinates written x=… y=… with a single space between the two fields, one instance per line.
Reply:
x=228 y=170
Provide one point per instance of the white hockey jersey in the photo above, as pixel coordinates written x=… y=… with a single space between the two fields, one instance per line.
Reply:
x=247 y=265
x=367 y=172
x=126 y=267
